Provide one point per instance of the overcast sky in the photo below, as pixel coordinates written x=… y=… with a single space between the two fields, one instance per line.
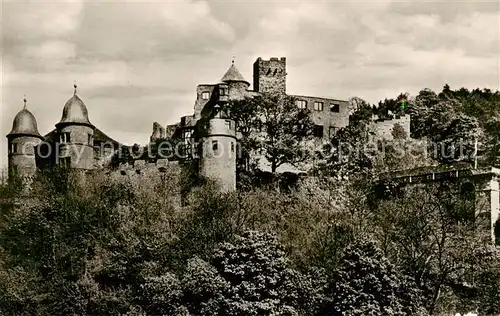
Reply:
x=140 y=62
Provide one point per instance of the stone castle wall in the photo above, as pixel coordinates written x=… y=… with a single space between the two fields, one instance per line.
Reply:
x=200 y=102
x=219 y=153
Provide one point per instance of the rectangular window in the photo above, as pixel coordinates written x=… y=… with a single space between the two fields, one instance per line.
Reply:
x=205 y=95
x=318 y=106
x=215 y=145
x=232 y=147
x=335 y=107
x=318 y=130
x=228 y=124
x=223 y=91
x=91 y=139
x=13 y=148
x=301 y=104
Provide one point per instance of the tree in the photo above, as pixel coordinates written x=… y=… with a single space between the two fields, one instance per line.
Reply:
x=366 y=283
x=431 y=234
x=250 y=276
x=273 y=125
x=348 y=154
x=398 y=132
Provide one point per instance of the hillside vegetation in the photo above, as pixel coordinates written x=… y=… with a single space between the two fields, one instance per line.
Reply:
x=337 y=243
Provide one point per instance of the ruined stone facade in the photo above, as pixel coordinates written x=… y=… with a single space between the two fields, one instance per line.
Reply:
x=385 y=129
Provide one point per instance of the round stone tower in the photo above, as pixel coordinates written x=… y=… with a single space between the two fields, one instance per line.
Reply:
x=22 y=141
x=219 y=150
x=76 y=136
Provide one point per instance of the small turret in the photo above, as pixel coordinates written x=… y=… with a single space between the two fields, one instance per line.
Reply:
x=23 y=140
x=76 y=136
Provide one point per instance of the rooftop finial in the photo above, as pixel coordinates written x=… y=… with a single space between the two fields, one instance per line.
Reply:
x=232 y=61
x=75 y=86
x=24 y=100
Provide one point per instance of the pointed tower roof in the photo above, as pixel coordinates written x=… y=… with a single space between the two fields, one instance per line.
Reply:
x=75 y=112
x=232 y=74
x=24 y=123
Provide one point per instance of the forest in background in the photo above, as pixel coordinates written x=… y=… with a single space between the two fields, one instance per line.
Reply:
x=337 y=243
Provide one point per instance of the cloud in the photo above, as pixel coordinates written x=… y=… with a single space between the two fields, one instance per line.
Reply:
x=154 y=30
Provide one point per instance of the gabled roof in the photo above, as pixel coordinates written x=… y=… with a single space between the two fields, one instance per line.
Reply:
x=232 y=74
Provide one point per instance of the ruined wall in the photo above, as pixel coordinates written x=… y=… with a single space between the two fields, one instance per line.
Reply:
x=200 y=102
x=384 y=128
x=158 y=132
x=335 y=113
x=103 y=156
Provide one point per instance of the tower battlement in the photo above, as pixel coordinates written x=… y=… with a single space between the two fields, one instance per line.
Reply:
x=269 y=75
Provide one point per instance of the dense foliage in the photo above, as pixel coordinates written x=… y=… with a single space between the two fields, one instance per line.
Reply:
x=338 y=243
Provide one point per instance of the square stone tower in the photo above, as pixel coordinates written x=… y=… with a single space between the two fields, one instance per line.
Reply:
x=269 y=75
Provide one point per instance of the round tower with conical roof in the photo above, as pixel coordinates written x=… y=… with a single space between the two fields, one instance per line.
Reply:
x=76 y=136
x=23 y=140
x=238 y=86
